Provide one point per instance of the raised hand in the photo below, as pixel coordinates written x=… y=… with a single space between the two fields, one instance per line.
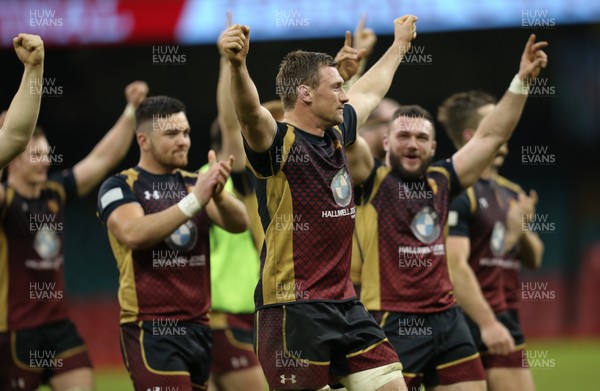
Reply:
x=224 y=170
x=235 y=43
x=228 y=18
x=29 y=49
x=405 y=30
x=364 y=38
x=533 y=59
x=136 y=92
x=348 y=58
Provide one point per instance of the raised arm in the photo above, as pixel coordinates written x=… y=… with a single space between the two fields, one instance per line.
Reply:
x=364 y=40
x=530 y=246
x=468 y=294
x=227 y=211
x=24 y=109
x=114 y=145
x=137 y=231
x=257 y=124
x=370 y=89
x=230 y=127
x=496 y=127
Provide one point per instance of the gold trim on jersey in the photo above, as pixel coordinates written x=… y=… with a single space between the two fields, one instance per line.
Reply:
x=9 y=195
x=132 y=176
x=441 y=170
x=384 y=318
x=370 y=293
x=4 y=281
x=502 y=181
x=127 y=289
x=151 y=370
x=285 y=349
x=278 y=271
x=218 y=320
x=255 y=226
x=459 y=361
x=411 y=375
x=57 y=187
x=472 y=200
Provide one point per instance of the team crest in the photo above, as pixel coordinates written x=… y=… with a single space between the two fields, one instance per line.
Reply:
x=497 y=239
x=341 y=186
x=46 y=243
x=426 y=225
x=184 y=238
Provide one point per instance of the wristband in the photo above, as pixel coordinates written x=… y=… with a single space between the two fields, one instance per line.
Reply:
x=190 y=205
x=129 y=111
x=518 y=86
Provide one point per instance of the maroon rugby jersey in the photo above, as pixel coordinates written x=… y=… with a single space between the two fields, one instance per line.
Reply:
x=405 y=267
x=32 y=284
x=170 y=280
x=509 y=191
x=479 y=213
x=306 y=206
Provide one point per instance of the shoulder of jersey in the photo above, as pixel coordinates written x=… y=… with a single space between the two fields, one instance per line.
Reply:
x=502 y=181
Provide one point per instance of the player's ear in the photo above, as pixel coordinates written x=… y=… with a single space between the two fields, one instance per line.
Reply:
x=143 y=140
x=386 y=140
x=433 y=145
x=304 y=93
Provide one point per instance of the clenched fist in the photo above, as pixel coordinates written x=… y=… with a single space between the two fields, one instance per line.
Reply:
x=29 y=49
x=235 y=43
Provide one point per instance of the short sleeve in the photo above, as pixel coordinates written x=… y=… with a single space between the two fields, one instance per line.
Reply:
x=348 y=127
x=268 y=163
x=454 y=183
x=113 y=193
x=459 y=217
x=66 y=178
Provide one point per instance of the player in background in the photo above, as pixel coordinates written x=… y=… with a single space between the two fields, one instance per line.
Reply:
x=158 y=217
x=481 y=250
x=405 y=281
x=235 y=259
x=307 y=311
x=45 y=345
x=22 y=114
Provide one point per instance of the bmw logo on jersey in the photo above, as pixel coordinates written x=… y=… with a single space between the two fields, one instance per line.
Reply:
x=497 y=239
x=46 y=243
x=426 y=225
x=341 y=186
x=184 y=238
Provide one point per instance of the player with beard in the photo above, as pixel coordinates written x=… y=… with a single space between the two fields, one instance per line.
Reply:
x=405 y=280
x=480 y=235
x=21 y=117
x=158 y=219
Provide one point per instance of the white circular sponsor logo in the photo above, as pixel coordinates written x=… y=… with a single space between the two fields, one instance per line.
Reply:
x=341 y=186
x=183 y=238
x=497 y=239
x=426 y=225
x=46 y=243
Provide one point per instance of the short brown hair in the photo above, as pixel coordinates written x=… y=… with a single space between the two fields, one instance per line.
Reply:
x=297 y=68
x=414 y=111
x=459 y=112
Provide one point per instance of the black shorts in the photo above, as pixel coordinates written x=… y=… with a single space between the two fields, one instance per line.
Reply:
x=166 y=353
x=435 y=349
x=40 y=353
x=510 y=320
x=232 y=348
x=309 y=345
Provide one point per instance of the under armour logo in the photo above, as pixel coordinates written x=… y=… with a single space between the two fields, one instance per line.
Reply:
x=154 y=194
x=284 y=379
x=483 y=202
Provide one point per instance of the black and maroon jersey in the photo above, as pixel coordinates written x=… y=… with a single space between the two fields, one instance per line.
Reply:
x=306 y=206
x=170 y=280
x=402 y=242
x=32 y=284
x=479 y=213
x=509 y=191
